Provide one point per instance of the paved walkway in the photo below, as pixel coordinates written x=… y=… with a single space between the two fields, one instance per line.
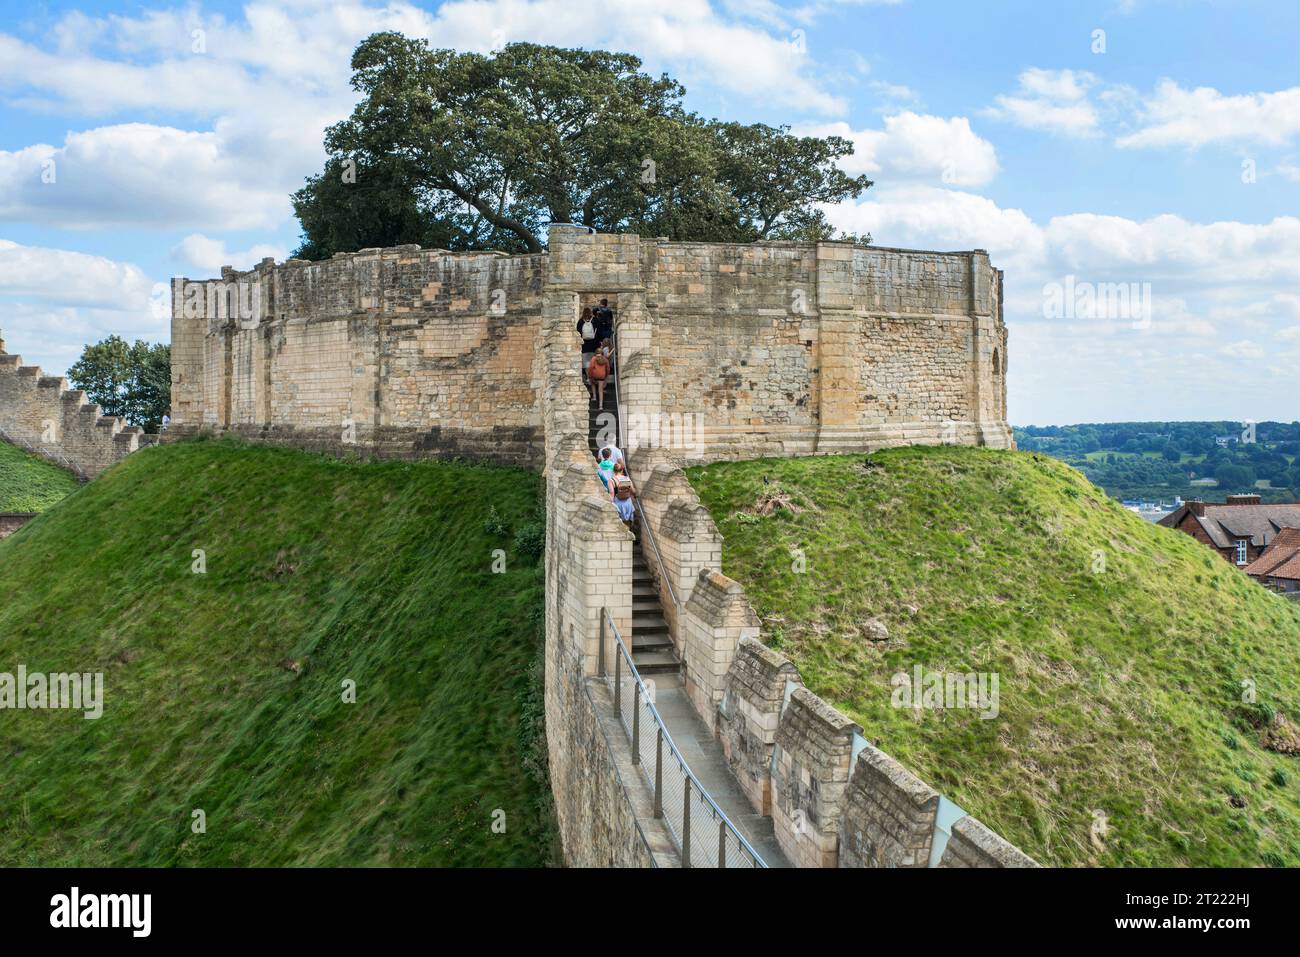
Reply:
x=704 y=755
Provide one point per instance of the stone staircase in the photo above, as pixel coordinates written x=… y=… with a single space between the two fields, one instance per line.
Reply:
x=652 y=645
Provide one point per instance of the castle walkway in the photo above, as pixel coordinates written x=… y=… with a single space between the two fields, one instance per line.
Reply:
x=711 y=821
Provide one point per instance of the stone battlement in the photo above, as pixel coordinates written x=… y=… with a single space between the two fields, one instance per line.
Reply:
x=774 y=348
x=46 y=416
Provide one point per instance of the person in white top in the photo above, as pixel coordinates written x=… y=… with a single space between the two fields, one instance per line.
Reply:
x=615 y=453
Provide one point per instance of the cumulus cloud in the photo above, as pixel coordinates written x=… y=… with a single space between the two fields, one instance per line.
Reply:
x=138 y=174
x=54 y=300
x=302 y=47
x=265 y=84
x=917 y=147
x=1174 y=116
x=203 y=252
x=1055 y=101
x=62 y=277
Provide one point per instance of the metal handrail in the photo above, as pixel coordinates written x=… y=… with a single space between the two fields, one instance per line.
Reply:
x=45 y=453
x=636 y=501
x=689 y=779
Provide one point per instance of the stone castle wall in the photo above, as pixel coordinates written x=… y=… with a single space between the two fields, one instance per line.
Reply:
x=46 y=416
x=742 y=350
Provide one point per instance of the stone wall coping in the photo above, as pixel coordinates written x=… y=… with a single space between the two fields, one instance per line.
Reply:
x=720 y=601
x=766 y=659
x=688 y=521
x=819 y=710
x=596 y=519
x=666 y=483
x=872 y=760
x=988 y=842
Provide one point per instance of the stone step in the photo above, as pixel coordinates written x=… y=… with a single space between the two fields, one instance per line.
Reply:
x=642 y=604
x=646 y=591
x=655 y=662
x=648 y=625
x=641 y=650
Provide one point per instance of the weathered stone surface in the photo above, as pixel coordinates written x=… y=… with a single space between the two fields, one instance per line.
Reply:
x=725 y=350
x=889 y=815
x=750 y=713
x=47 y=417
x=10 y=522
x=814 y=745
x=873 y=629
x=974 y=845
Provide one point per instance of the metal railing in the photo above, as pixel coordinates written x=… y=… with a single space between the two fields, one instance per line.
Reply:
x=44 y=451
x=704 y=834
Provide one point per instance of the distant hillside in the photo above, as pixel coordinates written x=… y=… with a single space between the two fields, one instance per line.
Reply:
x=224 y=691
x=29 y=483
x=1121 y=648
x=1161 y=460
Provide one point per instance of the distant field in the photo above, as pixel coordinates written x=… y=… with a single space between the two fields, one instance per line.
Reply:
x=29 y=483
x=1123 y=738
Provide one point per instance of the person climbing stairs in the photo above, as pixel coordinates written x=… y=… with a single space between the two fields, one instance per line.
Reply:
x=652 y=644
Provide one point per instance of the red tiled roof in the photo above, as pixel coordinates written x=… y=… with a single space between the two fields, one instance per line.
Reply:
x=1281 y=559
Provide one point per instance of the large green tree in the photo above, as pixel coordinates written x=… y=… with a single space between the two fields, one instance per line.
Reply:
x=465 y=151
x=129 y=380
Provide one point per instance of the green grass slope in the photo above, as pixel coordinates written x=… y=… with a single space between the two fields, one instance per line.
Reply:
x=29 y=483
x=1125 y=734
x=224 y=691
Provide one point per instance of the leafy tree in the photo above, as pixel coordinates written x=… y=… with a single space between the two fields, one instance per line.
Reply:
x=1235 y=476
x=131 y=381
x=464 y=151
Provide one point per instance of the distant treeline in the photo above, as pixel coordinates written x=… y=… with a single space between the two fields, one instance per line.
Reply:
x=1161 y=459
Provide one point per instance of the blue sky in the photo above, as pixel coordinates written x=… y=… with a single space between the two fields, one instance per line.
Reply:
x=1151 y=146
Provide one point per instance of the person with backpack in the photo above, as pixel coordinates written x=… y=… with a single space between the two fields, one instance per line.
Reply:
x=622 y=492
x=587 y=330
x=597 y=373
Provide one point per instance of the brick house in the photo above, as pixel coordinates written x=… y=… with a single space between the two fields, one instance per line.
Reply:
x=1239 y=529
x=1279 y=566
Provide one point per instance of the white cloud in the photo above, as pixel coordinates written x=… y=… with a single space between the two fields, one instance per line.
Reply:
x=302 y=48
x=203 y=252
x=1055 y=101
x=62 y=277
x=137 y=174
x=1245 y=349
x=267 y=83
x=916 y=147
x=930 y=218
x=55 y=300
x=1174 y=116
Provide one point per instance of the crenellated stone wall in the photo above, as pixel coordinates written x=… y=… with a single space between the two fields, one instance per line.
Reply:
x=726 y=351
x=834 y=800
x=46 y=416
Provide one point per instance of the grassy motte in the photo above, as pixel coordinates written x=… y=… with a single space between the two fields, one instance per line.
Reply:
x=29 y=483
x=224 y=691
x=1126 y=653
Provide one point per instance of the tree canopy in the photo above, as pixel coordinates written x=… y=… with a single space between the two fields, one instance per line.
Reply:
x=129 y=380
x=470 y=151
